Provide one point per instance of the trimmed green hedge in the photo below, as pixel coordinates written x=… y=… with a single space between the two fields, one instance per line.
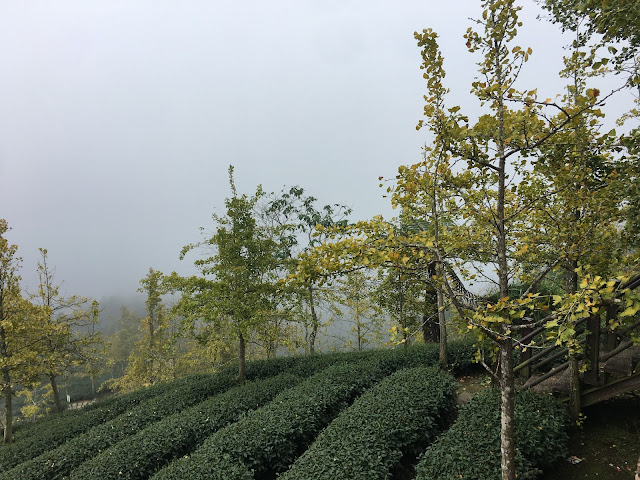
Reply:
x=46 y=434
x=269 y=439
x=61 y=460
x=399 y=416
x=139 y=456
x=470 y=449
x=460 y=358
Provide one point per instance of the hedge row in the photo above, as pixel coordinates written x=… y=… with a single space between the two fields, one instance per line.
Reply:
x=55 y=430
x=460 y=358
x=470 y=449
x=399 y=416
x=269 y=439
x=61 y=460
x=139 y=456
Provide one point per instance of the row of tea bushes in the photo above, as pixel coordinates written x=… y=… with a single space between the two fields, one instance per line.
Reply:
x=460 y=358
x=470 y=449
x=399 y=416
x=58 y=462
x=141 y=455
x=38 y=437
x=269 y=439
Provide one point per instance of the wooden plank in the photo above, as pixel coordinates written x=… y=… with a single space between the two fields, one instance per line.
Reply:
x=610 y=390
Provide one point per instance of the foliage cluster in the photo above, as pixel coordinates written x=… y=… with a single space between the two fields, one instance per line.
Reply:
x=470 y=449
x=61 y=460
x=399 y=416
x=142 y=454
x=269 y=439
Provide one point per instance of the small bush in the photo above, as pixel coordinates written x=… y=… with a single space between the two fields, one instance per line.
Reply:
x=399 y=416
x=470 y=449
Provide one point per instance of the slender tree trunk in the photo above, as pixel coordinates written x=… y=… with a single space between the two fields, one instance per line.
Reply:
x=6 y=379
x=507 y=388
x=430 y=329
x=403 y=321
x=574 y=367
x=56 y=394
x=8 y=406
x=443 y=353
x=507 y=439
x=314 y=321
x=241 y=358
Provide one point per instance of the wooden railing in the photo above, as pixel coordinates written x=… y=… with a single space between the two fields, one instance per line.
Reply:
x=599 y=346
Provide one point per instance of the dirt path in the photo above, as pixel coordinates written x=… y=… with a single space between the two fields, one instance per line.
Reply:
x=607 y=445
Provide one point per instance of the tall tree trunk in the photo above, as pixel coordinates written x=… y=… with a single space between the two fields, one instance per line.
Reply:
x=507 y=389
x=314 y=321
x=241 y=359
x=507 y=439
x=6 y=379
x=56 y=394
x=430 y=329
x=442 y=323
x=574 y=367
x=8 y=406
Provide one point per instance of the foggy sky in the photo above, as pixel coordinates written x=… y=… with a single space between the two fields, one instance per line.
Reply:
x=119 y=118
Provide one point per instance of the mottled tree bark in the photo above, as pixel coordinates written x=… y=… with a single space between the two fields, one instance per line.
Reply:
x=8 y=406
x=574 y=367
x=507 y=387
x=241 y=358
x=443 y=354
x=314 y=321
x=56 y=394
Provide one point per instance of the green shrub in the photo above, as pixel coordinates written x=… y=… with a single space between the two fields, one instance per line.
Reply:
x=399 y=416
x=38 y=437
x=139 y=456
x=470 y=449
x=61 y=460
x=269 y=439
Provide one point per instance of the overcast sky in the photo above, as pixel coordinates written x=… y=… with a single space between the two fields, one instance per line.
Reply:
x=119 y=118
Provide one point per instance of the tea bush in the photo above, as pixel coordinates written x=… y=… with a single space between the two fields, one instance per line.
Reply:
x=61 y=460
x=270 y=438
x=139 y=456
x=470 y=449
x=400 y=415
x=46 y=434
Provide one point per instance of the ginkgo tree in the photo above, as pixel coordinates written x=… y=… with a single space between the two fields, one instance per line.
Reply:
x=481 y=163
x=354 y=303
x=150 y=361
x=67 y=341
x=237 y=291
x=296 y=217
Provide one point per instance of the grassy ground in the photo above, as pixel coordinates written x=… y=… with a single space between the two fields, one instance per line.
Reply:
x=608 y=443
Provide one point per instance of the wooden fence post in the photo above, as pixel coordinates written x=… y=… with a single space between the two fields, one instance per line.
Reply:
x=592 y=374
